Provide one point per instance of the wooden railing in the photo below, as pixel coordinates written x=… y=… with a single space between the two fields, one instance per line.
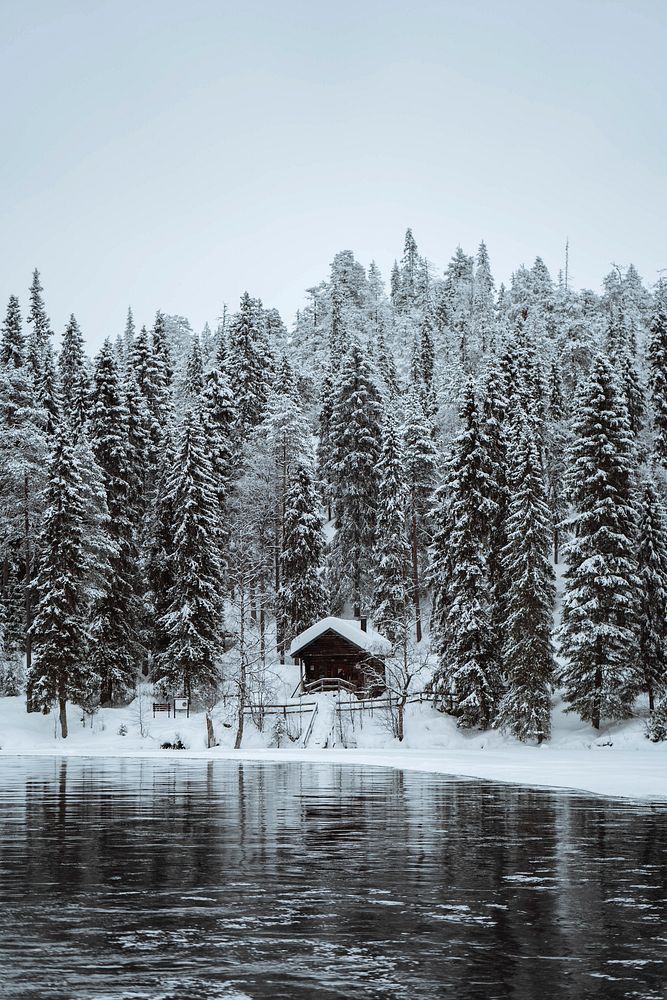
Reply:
x=328 y=684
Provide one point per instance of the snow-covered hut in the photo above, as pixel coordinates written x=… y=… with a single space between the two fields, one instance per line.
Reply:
x=341 y=650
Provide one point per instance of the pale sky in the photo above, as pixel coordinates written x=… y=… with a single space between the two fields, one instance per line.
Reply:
x=172 y=153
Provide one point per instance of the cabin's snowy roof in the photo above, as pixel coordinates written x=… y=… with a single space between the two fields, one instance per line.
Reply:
x=369 y=640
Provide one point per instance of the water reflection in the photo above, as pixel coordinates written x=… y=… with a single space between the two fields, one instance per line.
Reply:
x=190 y=879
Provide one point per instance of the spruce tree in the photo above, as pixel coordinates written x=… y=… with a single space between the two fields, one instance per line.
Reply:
x=220 y=423
x=60 y=671
x=421 y=474
x=302 y=598
x=12 y=343
x=160 y=568
x=494 y=443
x=463 y=640
x=248 y=364
x=652 y=572
x=525 y=709
x=128 y=334
x=193 y=382
x=599 y=630
x=193 y=620
x=117 y=650
x=391 y=597
x=40 y=333
x=325 y=447
x=355 y=451
x=23 y=456
x=657 y=359
x=74 y=377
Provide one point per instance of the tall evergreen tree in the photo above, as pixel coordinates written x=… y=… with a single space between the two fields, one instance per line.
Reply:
x=421 y=474
x=657 y=359
x=40 y=333
x=117 y=650
x=463 y=640
x=652 y=571
x=391 y=598
x=12 y=342
x=193 y=382
x=193 y=620
x=599 y=629
x=248 y=364
x=525 y=710
x=74 y=377
x=60 y=671
x=301 y=598
x=356 y=442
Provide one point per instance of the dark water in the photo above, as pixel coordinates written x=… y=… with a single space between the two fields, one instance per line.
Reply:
x=194 y=879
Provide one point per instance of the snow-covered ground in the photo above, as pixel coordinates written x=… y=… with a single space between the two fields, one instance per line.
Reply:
x=618 y=761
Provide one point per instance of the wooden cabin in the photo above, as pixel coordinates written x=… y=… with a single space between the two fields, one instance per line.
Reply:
x=340 y=652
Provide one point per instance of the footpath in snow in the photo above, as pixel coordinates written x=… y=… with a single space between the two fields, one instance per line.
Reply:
x=618 y=761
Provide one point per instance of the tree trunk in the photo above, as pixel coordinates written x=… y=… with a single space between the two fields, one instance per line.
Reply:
x=63 y=717
x=400 y=732
x=595 y=715
x=210 y=735
x=556 y=545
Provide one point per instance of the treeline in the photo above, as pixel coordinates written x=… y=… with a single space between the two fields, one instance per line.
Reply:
x=164 y=507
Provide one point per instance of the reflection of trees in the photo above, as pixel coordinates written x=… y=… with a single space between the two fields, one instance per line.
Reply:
x=487 y=884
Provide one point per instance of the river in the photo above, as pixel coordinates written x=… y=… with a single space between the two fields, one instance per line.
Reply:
x=187 y=879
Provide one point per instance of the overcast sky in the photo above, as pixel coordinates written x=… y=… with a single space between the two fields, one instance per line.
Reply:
x=171 y=154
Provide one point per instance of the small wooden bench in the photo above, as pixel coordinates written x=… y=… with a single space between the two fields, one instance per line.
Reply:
x=162 y=706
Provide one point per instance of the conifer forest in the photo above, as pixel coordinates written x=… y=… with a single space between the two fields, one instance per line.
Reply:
x=478 y=468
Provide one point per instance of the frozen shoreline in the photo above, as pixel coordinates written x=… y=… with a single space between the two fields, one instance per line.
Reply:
x=630 y=774
x=617 y=762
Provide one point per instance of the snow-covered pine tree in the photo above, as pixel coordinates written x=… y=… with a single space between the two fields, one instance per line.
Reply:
x=163 y=359
x=40 y=332
x=635 y=399
x=421 y=475
x=74 y=377
x=60 y=671
x=128 y=334
x=281 y=443
x=599 y=631
x=355 y=450
x=193 y=382
x=193 y=620
x=220 y=425
x=12 y=342
x=159 y=548
x=652 y=571
x=247 y=364
x=409 y=266
x=149 y=376
x=657 y=360
x=23 y=454
x=302 y=597
x=116 y=649
x=483 y=317
x=463 y=640
x=395 y=286
x=555 y=446
x=391 y=596
x=494 y=443
x=325 y=445
x=48 y=390
x=525 y=710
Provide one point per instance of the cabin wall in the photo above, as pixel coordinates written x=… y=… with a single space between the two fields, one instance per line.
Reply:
x=333 y=656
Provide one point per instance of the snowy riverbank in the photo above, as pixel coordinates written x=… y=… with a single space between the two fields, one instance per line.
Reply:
x=619 y=761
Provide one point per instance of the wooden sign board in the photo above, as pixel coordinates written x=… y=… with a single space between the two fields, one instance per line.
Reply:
x=182 y=705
